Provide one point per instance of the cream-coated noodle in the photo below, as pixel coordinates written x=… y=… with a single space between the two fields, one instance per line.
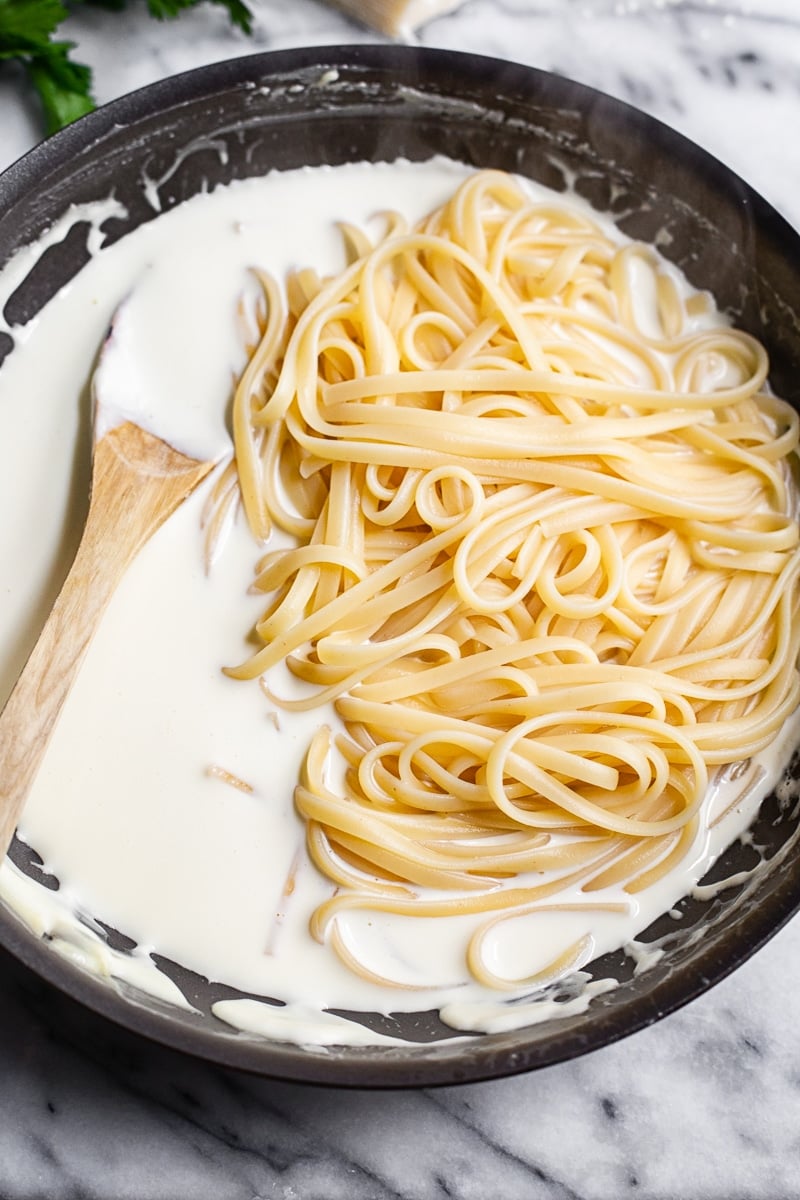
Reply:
x=546 y=559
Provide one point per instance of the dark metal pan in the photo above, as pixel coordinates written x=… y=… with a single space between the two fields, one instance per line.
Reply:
x=333 y=105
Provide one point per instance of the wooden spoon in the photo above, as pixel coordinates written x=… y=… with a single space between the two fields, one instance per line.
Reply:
x=138 y=480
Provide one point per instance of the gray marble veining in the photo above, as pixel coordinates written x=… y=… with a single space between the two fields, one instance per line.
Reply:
x=703 y=1106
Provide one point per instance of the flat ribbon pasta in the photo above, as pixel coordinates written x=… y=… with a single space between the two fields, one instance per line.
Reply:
x=547 y=557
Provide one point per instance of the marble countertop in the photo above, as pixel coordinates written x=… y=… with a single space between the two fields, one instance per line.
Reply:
x=706 y=1104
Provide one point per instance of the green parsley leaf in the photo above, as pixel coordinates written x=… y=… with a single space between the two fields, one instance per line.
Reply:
x=63 y=86
x=239 y=13
x=28 y=23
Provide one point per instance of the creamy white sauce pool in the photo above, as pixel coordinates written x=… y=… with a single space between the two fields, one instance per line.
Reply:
x=129 y=810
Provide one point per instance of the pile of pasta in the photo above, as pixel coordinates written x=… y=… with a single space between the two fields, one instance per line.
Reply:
x=545 y=563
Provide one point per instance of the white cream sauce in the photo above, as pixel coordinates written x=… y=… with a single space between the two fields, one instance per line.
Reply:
x=131 y=811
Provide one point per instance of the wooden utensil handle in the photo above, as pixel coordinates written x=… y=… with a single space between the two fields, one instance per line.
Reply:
x=135 y=488
x=36 y=701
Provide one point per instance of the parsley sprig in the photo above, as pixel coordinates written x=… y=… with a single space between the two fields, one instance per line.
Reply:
x=28 y=35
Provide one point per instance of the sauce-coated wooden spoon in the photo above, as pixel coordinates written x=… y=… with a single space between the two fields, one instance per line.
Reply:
x=138 y=480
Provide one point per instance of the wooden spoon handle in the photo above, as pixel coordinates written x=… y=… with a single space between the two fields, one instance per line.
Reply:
x=137 y=482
